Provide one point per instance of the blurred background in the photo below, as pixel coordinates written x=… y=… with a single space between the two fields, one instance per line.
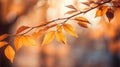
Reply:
x=96 y=46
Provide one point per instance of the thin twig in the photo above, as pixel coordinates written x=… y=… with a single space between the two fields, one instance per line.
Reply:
x=65 y=19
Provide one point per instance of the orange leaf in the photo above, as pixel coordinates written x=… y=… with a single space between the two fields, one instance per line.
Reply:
x=69 y=29
x=70 y=12
x=49 y=36
x=3 y=36
x=60 y=37
x=82 y=24
x=81 y=19
x=18 y=42
x=3 y=44
x=9 y=53
x=22 y=28
x=101 y=11
x=98 y=13
x=36 y=35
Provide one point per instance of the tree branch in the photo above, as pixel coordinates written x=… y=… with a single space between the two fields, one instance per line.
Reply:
x=67 y=18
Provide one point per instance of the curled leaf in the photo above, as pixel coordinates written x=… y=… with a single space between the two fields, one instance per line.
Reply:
x=69 y=29
x=49 y=36
x=3 y=43
x=22 y=28
x=9 y=53
x=3 y=36
x=60 y=37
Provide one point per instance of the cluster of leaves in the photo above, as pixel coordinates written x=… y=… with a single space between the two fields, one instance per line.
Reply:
x=30 y=40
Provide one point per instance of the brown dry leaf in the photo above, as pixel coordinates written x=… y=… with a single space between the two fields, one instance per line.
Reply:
x=22 y=28
x=71 y=12
x=9 y=53
x=69 y=29
x=3 y=36
x=101 y=11
x=49 y=36
x=83 y=24
x=86 y=3
x=71 y=7
x=60 y=37
x=18 y=42
x=81 y=19
x=110 y=14
x=3 y=43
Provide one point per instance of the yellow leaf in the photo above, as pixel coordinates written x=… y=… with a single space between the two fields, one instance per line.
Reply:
x=18 y=42
x=36 y=35
x=22 y=28
x=9 y=53
x=60 y=37
x=3 y=36
x=28 y=41
x=3 y=44
x=81 y=19
x=69 y=29
x=49 y=36
x=59 y=28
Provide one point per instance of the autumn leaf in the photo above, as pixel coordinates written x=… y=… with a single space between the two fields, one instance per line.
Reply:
x=86 y=3
x=101 y=11
x=60 y=37
x=49 y=36
x=22 y=28
x=3 y=43
x=71 y=12
x=82 y=24
x=71 y=7
x=18 y=42
x=28 y=40
x=69 y=29
x=59 y=28
x=9 y=53
x=110 y=14
x=81 y=19
x=3 y=36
